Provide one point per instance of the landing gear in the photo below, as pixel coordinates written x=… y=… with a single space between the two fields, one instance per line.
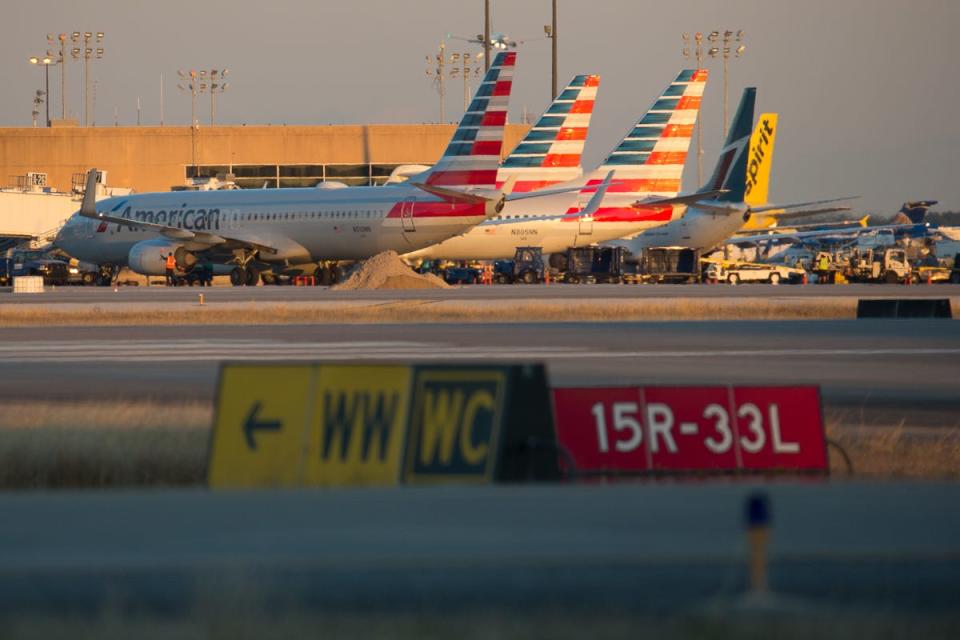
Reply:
x=106 y=275
x=253 y=276
x=238 y=277
x=327 y=275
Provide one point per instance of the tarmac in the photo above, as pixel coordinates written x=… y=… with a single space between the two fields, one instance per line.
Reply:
x=870 y=371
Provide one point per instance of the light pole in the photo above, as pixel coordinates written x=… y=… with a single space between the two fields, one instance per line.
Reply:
x=486 y=35
x=217 y=85
x=551 y=31
x=46 y=61
x=37 y=101
x=440 y=67
x=694 y=50
x=62 y=61
x=192 y=88
x=729 y=38
x=460 y=66
x=439 y=76
x=87 y=52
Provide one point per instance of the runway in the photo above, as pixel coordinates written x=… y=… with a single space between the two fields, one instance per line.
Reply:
x=643 y=548
x=878 y=369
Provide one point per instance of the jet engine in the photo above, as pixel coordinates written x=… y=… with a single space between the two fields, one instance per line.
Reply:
x=150 y=257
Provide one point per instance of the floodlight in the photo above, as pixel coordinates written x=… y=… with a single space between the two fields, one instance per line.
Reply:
x=34 y=60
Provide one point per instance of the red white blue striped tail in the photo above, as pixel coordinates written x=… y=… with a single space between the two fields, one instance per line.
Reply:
x=473 y=155
x=552 y=150
x=650 y=158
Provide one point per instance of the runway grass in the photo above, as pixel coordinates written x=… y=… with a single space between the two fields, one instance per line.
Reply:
x=421 y=311
x=130 y=443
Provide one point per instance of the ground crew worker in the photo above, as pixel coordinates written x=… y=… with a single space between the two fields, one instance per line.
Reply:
x=823 y=268
x=171 y=267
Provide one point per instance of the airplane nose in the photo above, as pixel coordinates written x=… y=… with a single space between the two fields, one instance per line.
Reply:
x=63 y=235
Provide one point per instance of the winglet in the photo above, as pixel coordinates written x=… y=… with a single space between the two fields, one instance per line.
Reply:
x=88 y=207
x=508 y=186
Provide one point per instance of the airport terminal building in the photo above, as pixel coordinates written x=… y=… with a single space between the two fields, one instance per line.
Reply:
x=159 y=158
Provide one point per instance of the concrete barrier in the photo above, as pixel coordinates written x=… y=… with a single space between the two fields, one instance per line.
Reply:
x=28 y=284
x=904 y=308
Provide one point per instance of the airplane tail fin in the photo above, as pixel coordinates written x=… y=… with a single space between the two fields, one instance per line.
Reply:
x=760 y=159
x=913 y=212
x=650 y=158
x=730 y=172
x=473 y=155
x=552 y=150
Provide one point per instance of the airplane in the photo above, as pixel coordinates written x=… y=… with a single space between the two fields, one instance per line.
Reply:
x=276 y=229
x=497 y=40
x=708 y=224
x=647 y=166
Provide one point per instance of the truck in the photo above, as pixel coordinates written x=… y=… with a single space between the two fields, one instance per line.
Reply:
x=888 y=265
x=737 y=272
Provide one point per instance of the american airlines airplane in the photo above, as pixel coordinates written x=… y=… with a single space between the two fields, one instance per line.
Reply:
x=646 y=165
x=271 y=229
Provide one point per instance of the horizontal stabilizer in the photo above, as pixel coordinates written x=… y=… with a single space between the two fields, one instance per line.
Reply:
x=688 y=199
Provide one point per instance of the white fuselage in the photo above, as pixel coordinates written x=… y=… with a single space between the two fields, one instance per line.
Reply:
x=525 y=224
x=697 y=229
x=302 y=225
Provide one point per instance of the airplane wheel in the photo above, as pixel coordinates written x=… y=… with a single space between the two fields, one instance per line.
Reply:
x=238 y=277
x=324 y=276
x=774 y=278
x=253 y=276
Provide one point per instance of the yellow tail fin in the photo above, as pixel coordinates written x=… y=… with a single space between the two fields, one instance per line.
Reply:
x=760 y=159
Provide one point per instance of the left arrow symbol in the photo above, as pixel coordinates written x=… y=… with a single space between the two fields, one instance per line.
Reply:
x=253 y=424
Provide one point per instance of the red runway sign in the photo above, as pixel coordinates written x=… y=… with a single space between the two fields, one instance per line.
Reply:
x=645 y=430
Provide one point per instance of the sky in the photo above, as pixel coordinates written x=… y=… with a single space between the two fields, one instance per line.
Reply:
x=866 y=90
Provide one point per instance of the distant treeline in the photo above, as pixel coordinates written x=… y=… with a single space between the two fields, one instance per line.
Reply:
x=945 y=218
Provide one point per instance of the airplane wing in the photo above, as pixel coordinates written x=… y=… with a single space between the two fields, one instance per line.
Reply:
x=592 y=206
x=770 y=208
x=478 y=196
x=88 y=209
x=781 y=214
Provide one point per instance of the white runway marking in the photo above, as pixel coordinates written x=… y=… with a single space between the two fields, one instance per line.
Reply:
x=264 y=350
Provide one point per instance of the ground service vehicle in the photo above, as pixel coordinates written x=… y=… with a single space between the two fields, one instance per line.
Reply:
x=593 y=264
x=462 y=275
x=669 y=265
x=527 y=267
x=54 y=272
x=879 y=265
x=737 y=272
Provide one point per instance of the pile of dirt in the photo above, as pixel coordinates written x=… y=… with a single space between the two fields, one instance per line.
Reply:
x=388 y=271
